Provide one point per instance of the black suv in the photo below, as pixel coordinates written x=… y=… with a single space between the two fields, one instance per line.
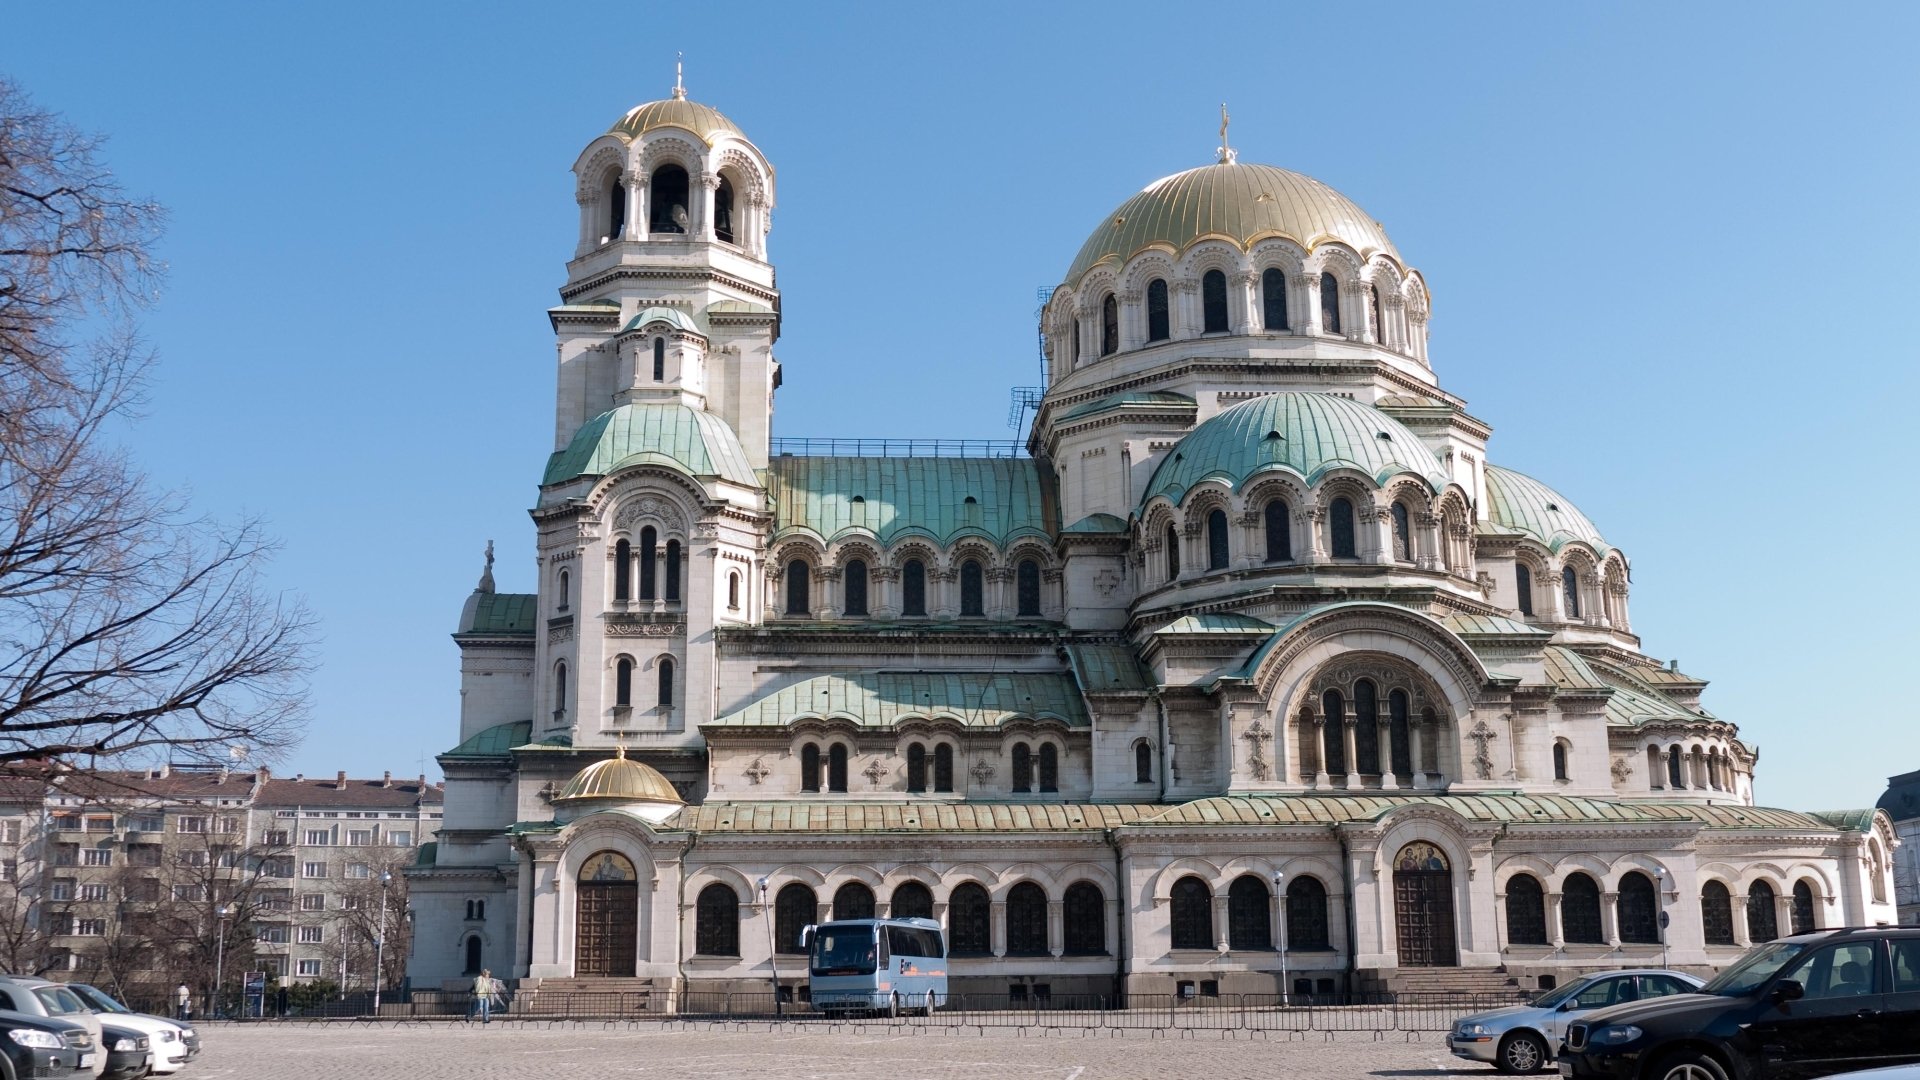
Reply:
x=39 y=1046
x=1799 y=1007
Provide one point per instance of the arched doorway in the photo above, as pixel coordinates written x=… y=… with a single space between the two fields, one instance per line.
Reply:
x=1423 y=906
x=606 y=923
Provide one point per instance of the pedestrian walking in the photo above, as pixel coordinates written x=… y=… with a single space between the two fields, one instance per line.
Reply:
x=483 y=990
x=182 y=1003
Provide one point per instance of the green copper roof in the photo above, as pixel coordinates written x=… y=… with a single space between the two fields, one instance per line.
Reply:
x=1492 y=626
x=1851 y=820
x=1219 y=622
x=1149 y=399
x=498 y=613
x=427 y=854
x=678 y=436
x=1635 y=702
x=1568 y=670
x=1097 y=524
x=1240 y=203
x=494 y=742
x=844 y=817
x=704 y=121
x=939 y=497
x=1305 y=434
x=1108 y=669
x=1521 y=503
x=673 y=317
x=884 y=699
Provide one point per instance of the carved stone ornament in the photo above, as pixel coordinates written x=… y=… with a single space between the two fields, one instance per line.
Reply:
x=875 y=772
x=982 y=771
x=624 y=629
x=1106 y=581
x=1258 y=737
x=756 y=772
x=560 y=635
x=637 y=509
x=1482 y=758
x=1621 y=770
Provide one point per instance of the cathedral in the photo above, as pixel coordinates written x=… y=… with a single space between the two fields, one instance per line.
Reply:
x=1258 y=666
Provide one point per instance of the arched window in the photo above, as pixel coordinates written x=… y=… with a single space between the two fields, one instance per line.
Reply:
x=913 y=588
x=673 y=571
x=1373 y=305
x=916 y=767
x=1580 y=910
x=1674 y=779
x=911 y=900
x=1560 y=759
x=1279 y=534
x=972 y=588
x=810 y=767
x=1570 y=585
x=1022 y=767
x=1192 y=914
x=1716 y=913
x=1334 y=742
x=854 y=589
x=659 y=359
x=473 y=955
x=1877 y=871
x=716 y=921
x=1763 y=918
x=1027 y=588
x=797 y=601
x=622 y=570
x=666 y=682
x=623 y=682
x=616 y=209
x=1638 y=910
x=560 y=690
x=837 y=767
x=565 y=598
x=969 y=922
x=1173 y=554
x=1026 y=920
x=943 y=767
x=1402 y=533
x=649 y=552
x=794 y=909
x=1076 y=342
x=723 y=211
x=1523 y=587
x=853 y=901
x=1306 y=914
x=1273 y=299
x=1049 y=768
x=1217 y=554
x=667 y=201
x=1526 y=911
x=733 y=591
x=1366 y=727
x=1159 y=326
x=1329 y=304
x=1802 y=908
x=1340 y=526
x=1142 y=762
x=1109 y=326
x=1249 y=914
x=1083 y=920
x=1213 y=302
x=1399 y=734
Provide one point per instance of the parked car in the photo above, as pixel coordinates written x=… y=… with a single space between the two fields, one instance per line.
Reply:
x=41 y=997
x=128 y=1051
x=43 y=1048
x=1800 y=1007
x=1521 y=1038
x=174 y=1041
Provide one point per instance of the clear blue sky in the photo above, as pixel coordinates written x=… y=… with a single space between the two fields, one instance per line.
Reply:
x=1671 y=248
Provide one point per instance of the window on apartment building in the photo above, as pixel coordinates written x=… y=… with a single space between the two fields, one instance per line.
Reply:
x=306 y=968
x=276 y=900
x=313 y=870
x=230 y=858
x=62 y=889
x=99 y=822
x=229 y=825
x=400 y=837
x=272 y=934
x=189 y=892
x=190 y=824
x=312 y=935
x=143 y=854
x=276 y=838
x=66 y=854
x=359 y=837
x=90 y=927
x=68 y=821
x=60 y=923
x=145 y=890
x=148 y=823
x=10 y=870
x=94 y=856
x=359 y=870
x=319 y=837
x=196 y=858
x=349 y=903
x=313 y=902
x=10 y=831
x=93 y=893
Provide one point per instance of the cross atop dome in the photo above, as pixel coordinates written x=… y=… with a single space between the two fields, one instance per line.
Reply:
x=679 y=87
x=1228 y=156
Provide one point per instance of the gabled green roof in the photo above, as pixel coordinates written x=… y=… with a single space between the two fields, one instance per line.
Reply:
x=1143 y=399
x=940 y=497
x=1568 y=670
x=884 y=699
x=1107 y=668
x=1218 y=622
x=494 y=742
x=1522 y=504
x=1098 y=525
x=691 y=440
x=499 y=613
x=1635 y=702
x=1303 y=434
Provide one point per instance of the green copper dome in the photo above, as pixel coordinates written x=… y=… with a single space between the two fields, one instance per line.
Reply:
x=1305 y=434
x=1240 y=203
x=1518 y=502
x=695 y=442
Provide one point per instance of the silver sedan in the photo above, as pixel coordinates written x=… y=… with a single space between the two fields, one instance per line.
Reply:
x=1522 y=1038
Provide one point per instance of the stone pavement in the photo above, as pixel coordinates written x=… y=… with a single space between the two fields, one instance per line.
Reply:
x=566 y=1052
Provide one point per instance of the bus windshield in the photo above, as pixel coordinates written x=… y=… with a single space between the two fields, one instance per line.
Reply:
x=843 y=950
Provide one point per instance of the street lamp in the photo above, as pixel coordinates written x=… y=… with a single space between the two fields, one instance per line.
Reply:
x=380 y=941
x=219 y=958
x=773 y=967
x=1660 y=909
x=1280 y=893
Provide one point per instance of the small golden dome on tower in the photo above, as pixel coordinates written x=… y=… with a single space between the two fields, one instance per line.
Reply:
x=619 y=779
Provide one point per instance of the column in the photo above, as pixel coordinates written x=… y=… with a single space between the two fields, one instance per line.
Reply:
x=1555 y=609
x=1393 y=308
x=1186 y=297
x=1253 y=538
x=584 y=198
x=1389 y=782
x=1221 y=941
x=1610 y=918
x=1416 y=751
x=999 y=599
x=1347 y=732
x=636 y=208
x=1315 y=549
x=1741 y=935
x=942 y=601
x=997 y=926
x=1320 y=779
x=703 y=226
x=827 y=604
x=884 y=587
x=1417 y=334
x=1554 y=932
x=1363 y=299
x=1240 y=301
x=1307 y=287
x=1379 y=525
x=660 y=576
x=1429 y=554
x=1056 y=931
x=1193 y=545
x=1133 y=320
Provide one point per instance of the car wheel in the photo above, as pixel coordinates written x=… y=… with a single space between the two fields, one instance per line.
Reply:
x=1689 y=1065
x=1521 y=1052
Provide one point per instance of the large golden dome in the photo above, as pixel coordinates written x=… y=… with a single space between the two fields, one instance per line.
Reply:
x=619 y=778
x=1239 y=203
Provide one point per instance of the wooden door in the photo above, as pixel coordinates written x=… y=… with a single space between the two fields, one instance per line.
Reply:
x=1423 y=907
x=606 y=923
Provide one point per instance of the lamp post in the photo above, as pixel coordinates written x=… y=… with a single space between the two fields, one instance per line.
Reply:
x=773 y=967
x=1280 y=894
x=219 y=958
x=380 y=941
x=1660 y=909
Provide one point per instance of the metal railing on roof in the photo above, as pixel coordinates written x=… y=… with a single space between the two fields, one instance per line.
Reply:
x=986 y=448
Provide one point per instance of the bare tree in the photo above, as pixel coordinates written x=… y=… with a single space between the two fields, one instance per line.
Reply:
x=356 y=927
x=129 y=624
x=24 y=947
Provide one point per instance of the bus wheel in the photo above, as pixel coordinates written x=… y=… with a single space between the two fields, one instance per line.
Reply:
x=893 y=1006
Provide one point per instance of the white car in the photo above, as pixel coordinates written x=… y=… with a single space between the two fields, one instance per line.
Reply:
x=172 y=1041
x=40 y=997
x=1523 y=1038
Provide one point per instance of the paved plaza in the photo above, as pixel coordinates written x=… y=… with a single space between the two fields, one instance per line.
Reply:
x=462 y=1052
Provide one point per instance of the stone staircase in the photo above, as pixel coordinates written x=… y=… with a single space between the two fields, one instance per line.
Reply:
x=588 y=996
x=1434 y=983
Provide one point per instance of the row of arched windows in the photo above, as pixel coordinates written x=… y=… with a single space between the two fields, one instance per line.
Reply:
x=1249 y=900
x=969 y=917
x=1214 y=310
x=1031 y=765
x=855 y=573
x=652 y=568
x=1637 y=911
x=1341 y=536
x=1763 y=918
x=623 y=681
x=668 y=191
x=1708 y=769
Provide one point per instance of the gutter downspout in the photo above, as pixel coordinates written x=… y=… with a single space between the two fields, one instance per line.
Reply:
x=1120 y=927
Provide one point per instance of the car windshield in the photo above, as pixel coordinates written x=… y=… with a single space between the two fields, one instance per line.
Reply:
x=59 y=1001
x=98 y=999
x=846 y=950
x=1754 y=970
x=1554 y=997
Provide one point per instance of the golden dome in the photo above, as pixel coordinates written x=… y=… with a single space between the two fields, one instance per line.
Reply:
x=620 y=778
x=1240 y=203
x=704 y=121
